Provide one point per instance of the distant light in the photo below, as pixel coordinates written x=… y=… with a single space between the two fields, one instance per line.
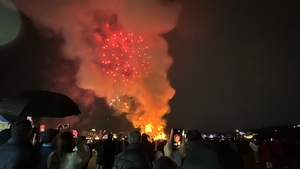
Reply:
x=115 y=136
x=298 y=125
x=236 y=130
x=249 y=136
x=294 y=126
x=275 y=130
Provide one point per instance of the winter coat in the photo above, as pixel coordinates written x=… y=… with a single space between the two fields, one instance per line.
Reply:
x=201 y=155
x=149 y=148
x=44 y=151
x=72 y=160
x=5 y=136
x=106 y=154
x=17 y=153
x=132 y=157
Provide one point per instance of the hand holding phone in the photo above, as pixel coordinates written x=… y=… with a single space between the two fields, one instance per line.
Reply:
x=75 y=133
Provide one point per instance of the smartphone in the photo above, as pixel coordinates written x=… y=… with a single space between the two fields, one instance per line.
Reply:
x=177 y=137
x=75 y=133
x=42 y=128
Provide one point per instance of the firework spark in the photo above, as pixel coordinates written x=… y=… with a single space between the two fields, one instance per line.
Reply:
x=122 y=55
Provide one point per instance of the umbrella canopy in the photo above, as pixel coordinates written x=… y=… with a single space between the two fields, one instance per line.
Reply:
x=39 y=104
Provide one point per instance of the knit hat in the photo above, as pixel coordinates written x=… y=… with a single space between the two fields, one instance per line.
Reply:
x=49 y=135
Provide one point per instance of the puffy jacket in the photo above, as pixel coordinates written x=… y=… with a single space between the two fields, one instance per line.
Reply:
x=72 y=160
x=201 y=155
x=17 y=154
x=132 y=157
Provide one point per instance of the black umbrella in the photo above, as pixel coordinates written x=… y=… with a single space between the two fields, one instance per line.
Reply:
x=39 y=104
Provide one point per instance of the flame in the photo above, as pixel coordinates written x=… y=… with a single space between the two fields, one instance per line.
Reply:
x=148 y=128
x=148 y=119
x=155 y=134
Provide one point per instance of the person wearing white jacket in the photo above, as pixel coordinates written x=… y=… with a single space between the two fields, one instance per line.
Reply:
x=64 y=156
x=253 y=145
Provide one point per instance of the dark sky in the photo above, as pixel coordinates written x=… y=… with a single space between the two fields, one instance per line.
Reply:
x=236 y=65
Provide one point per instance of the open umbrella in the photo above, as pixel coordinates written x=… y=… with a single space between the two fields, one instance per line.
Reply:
x=39 y=104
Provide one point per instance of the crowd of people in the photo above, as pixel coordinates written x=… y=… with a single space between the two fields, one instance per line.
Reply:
x=21 y=147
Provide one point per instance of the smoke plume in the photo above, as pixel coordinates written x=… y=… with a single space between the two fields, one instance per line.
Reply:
x=119 y=50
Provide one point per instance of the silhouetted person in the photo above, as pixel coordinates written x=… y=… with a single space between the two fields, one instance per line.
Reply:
x=159 y=149
x=47 y=147
x=64 y=156
x=18 y=152
x=254 y=146
x=266 y=153
x=229 y=156
x=133 y=157
x=199 y=154
x=83 y=138
x=147 y=146
x=99 y=151
x=106 y=153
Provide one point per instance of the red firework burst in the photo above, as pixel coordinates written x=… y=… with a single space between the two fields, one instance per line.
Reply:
x=123 y=56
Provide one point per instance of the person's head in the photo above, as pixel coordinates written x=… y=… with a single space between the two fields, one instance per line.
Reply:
x=145 y=137
x=109 y=136
x=134 y=137
x=83 y=138
x=49 y=135
x=193 y=135
x=65 y=142
x=21 y=129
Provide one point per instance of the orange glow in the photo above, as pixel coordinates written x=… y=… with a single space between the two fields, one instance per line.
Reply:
x=146 y=117
x=155 y=132
x=129 y=69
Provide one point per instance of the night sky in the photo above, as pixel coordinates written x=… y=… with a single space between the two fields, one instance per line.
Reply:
x=236 y=65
